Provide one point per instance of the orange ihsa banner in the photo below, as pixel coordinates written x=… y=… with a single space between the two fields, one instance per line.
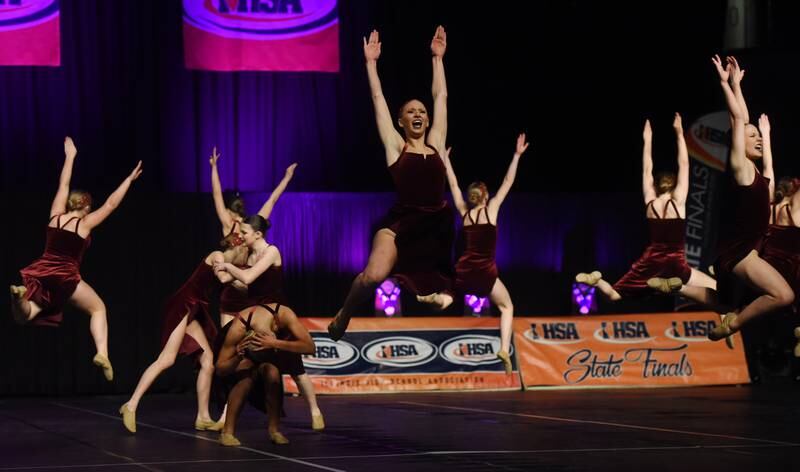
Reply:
x=670 y=349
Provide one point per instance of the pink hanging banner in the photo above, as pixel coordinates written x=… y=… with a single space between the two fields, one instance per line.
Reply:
x=267 y=35
x=29 y=33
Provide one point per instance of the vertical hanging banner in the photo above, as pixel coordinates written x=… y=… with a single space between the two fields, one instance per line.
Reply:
x=29 y=33
x=707 y=143
x=265 y=35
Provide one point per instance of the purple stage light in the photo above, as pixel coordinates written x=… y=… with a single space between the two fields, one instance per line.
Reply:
x=583 y=298
x=387 y=299
x=475 y=305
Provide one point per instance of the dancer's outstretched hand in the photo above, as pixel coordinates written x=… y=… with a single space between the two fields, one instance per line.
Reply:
x=522 y=145
x=724 y=72
x=372 y=48
x=214 y=157
x=677 y=124
x=439 y=41
x=290 y=170
x=70 y=151
x=647 y=132
x=137 y=171
x=763 y=124
x=736 y=72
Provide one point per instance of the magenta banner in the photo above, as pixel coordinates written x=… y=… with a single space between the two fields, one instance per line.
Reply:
x=29 y=33
x=267 y=35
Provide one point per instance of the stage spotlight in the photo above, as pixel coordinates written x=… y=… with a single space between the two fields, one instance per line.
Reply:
x=387 y=299
x=583 y=299
x=476 y=306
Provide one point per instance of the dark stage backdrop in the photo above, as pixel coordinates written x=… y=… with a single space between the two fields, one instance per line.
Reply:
x=579 y=76
x=148 y=248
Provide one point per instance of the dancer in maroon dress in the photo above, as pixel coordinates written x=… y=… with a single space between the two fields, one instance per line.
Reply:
x=745 y=218
x=187 y=329
x=663 y=265
x=234 y=297
x=415 y=239
x=476 y=270
x=54 y=279
x=257 y=347
x=264 y=280
x=231 y=214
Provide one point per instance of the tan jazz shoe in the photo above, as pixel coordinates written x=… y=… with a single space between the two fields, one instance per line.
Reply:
x=724 y=330
x=105 y=364
x=229 y=440
x=503 y=356
x=317 y=422
x=128 y=418
x=278 y=438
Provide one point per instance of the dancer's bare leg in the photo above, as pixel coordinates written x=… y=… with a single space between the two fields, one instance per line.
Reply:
x=85 y=298
x=236 y=400
x=701 y=288
x=272 y=378
x=608 y=290
x=205 y=374
x=164 y=361
x=760 y=275
x=502 y=299
x=306 y=388
x=381 y=261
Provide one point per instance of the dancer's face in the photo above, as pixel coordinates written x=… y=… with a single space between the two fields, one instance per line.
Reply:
x=753 y=142
x=249 y=235
x=414 y=119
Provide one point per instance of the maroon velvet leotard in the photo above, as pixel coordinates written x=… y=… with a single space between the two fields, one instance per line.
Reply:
x=744 y=222
x=191 y=300
x=664 y=257
x=52 y=278
x=476 y=270
x=422 y=223
x=781 y=247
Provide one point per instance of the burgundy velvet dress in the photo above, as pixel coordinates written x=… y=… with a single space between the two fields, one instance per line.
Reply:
x=51 y=279
x=743 y=224
x=476 y=270
x=664 y=257
x=191 y=300
x=781 y=248
x=422 y=223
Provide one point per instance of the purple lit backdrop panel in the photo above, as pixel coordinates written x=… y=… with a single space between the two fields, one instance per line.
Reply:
x=332 y=232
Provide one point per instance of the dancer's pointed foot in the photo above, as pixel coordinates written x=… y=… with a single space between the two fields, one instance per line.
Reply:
x=128 y=418
x=665 y=285
x=229 y=440
x=503 y=356
x=317 y=422
x=278 y=438
x=105 y=364
x=589 y=279
x=337 y=327
x=439 y=301
x=724 y=330
x=17 y=293
x=208 y=425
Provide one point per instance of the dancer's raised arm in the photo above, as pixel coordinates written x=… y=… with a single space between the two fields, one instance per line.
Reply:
x=266 y=209
x=437 y=136
x=648 y=188
x=458 y=196
x=508 y=180
x=59 y=205
x=682 y=186
x=743 y=170
x=112 y=202
x=766 y=152
x=392 y=141
x=216 y=193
